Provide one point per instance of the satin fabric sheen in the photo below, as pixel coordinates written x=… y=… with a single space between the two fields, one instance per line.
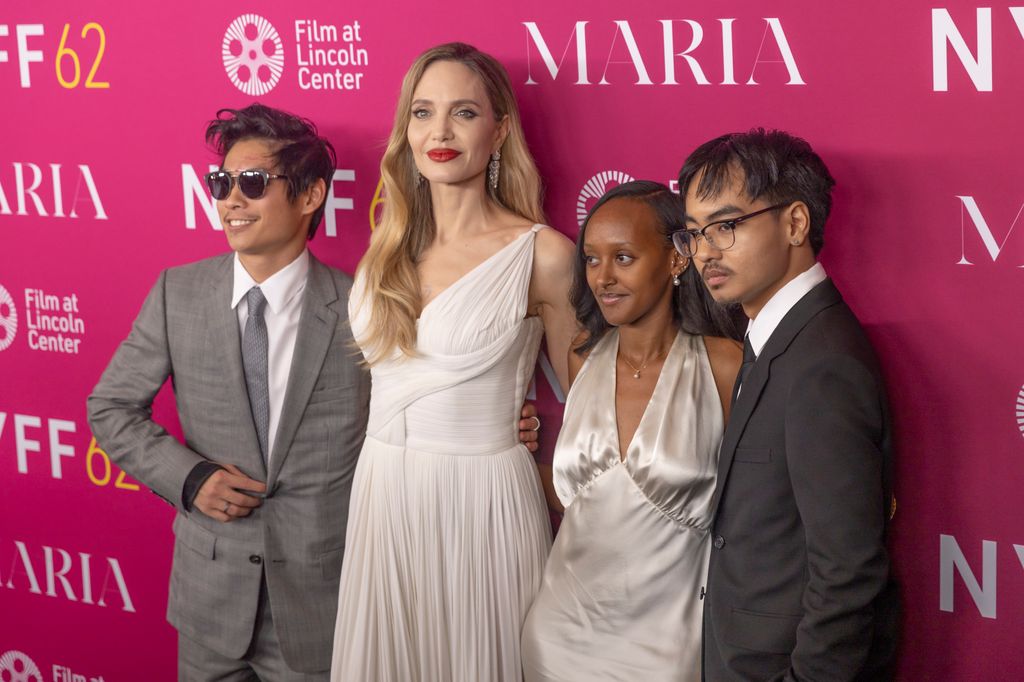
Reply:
x=448 y=529
x=621 y=593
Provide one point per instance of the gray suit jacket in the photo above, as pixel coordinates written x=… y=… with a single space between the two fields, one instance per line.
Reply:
x=187 y=331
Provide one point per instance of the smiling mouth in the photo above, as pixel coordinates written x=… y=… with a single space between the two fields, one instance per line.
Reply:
x=610 y=299
x=240 y=222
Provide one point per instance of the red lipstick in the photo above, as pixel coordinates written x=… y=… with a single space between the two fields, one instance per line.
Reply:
x=442 y=155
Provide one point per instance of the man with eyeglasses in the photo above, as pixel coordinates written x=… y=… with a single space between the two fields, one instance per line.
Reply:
x=799 y=584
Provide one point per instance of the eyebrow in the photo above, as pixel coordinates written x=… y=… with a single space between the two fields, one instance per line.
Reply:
x=719 y=214
x=590 y=245
x=455 y=103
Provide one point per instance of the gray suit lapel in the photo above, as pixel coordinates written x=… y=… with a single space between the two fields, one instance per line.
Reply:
x=316 y=330
x=224 y=325
x=817 y=299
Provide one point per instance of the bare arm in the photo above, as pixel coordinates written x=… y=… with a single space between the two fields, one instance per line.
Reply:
x=549 y=297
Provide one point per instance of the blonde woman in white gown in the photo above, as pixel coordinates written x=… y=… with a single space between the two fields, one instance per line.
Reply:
x=636 y=458
x=448 y=529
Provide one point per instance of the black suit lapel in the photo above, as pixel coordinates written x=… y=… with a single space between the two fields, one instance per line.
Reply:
x=814 y=301
x=228 y=343
x=316 y=329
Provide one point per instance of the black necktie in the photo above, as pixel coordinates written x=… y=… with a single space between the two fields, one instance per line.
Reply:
x=748 y=364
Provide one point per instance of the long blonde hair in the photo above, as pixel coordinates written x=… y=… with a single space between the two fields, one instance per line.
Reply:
x=407 y=227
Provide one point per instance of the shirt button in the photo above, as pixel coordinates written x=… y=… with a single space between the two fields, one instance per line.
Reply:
x=255 y=559
x=719 y=542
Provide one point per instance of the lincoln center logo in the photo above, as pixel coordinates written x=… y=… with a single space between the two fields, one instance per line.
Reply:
x=17 y=667
x=253 y=54
x=1020 y=410
x=594 y=188
x=8 y=319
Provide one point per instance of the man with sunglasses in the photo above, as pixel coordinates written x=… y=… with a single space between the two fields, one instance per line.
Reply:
x=272 y=404
x=799 y=584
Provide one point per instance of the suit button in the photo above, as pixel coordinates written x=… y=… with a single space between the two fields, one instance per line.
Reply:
x=719 y=542
x=256 y=559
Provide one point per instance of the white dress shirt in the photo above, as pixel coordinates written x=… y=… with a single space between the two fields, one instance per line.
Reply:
x=763 y=326
x=284 y=291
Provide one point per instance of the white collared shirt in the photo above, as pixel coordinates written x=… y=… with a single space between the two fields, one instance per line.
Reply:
x=284 y=291
x=763 y=326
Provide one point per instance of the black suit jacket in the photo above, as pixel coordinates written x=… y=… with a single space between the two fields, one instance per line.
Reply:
x=799 y=585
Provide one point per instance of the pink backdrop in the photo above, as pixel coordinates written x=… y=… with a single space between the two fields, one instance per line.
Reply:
x=916 y=109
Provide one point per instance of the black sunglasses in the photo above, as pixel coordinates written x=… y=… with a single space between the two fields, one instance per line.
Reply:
x=253 y=183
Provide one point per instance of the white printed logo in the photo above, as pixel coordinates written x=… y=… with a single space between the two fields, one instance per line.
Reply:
x=8 y=319
x=1020 y=410
x=253 y=55
x=17 y=667
x=595 y=188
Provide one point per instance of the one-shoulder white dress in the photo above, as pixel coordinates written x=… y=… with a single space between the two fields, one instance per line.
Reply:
x=447 y=528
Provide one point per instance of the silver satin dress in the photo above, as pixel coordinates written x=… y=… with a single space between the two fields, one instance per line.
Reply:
x=621 y=597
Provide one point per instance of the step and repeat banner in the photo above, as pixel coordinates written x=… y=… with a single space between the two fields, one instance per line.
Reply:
x=916 y=107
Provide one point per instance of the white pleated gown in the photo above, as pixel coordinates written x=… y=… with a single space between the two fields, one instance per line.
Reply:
x=447 y=528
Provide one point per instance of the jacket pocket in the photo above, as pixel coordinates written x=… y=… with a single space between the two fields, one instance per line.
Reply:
x=766 y=632
x=199 y=540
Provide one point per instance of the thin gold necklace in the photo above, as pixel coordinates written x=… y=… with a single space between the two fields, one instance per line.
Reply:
x=637 y=370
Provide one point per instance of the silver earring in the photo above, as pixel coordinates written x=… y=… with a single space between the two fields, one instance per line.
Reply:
x=494 y=169
x=675 y=280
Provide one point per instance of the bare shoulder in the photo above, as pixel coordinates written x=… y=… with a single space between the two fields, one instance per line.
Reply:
x=726 y=352
x=726 y=358
x=553 y=252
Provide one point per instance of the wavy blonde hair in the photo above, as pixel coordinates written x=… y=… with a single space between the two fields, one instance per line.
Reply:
x=407 y=226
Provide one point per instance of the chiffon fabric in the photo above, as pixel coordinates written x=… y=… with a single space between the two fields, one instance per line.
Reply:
x=621 y=598
x=447 y=528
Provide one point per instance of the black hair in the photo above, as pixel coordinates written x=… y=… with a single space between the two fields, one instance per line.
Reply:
x=299 y=151
x=693 y=309
x=778 y=166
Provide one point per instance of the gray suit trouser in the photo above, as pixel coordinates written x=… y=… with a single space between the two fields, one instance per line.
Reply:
x=263 y=660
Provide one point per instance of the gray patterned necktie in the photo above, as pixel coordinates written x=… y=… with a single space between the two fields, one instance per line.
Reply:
x=254 y=358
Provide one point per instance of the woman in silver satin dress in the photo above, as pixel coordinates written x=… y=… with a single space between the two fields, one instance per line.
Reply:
x=636 y=459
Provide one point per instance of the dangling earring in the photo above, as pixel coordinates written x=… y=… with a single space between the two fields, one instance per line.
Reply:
x=675 y=280
x=493 y=169
x=419 y=177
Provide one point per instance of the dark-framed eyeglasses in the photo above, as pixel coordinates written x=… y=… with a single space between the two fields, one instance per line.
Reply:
x=253 y=182
x=720 y=235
